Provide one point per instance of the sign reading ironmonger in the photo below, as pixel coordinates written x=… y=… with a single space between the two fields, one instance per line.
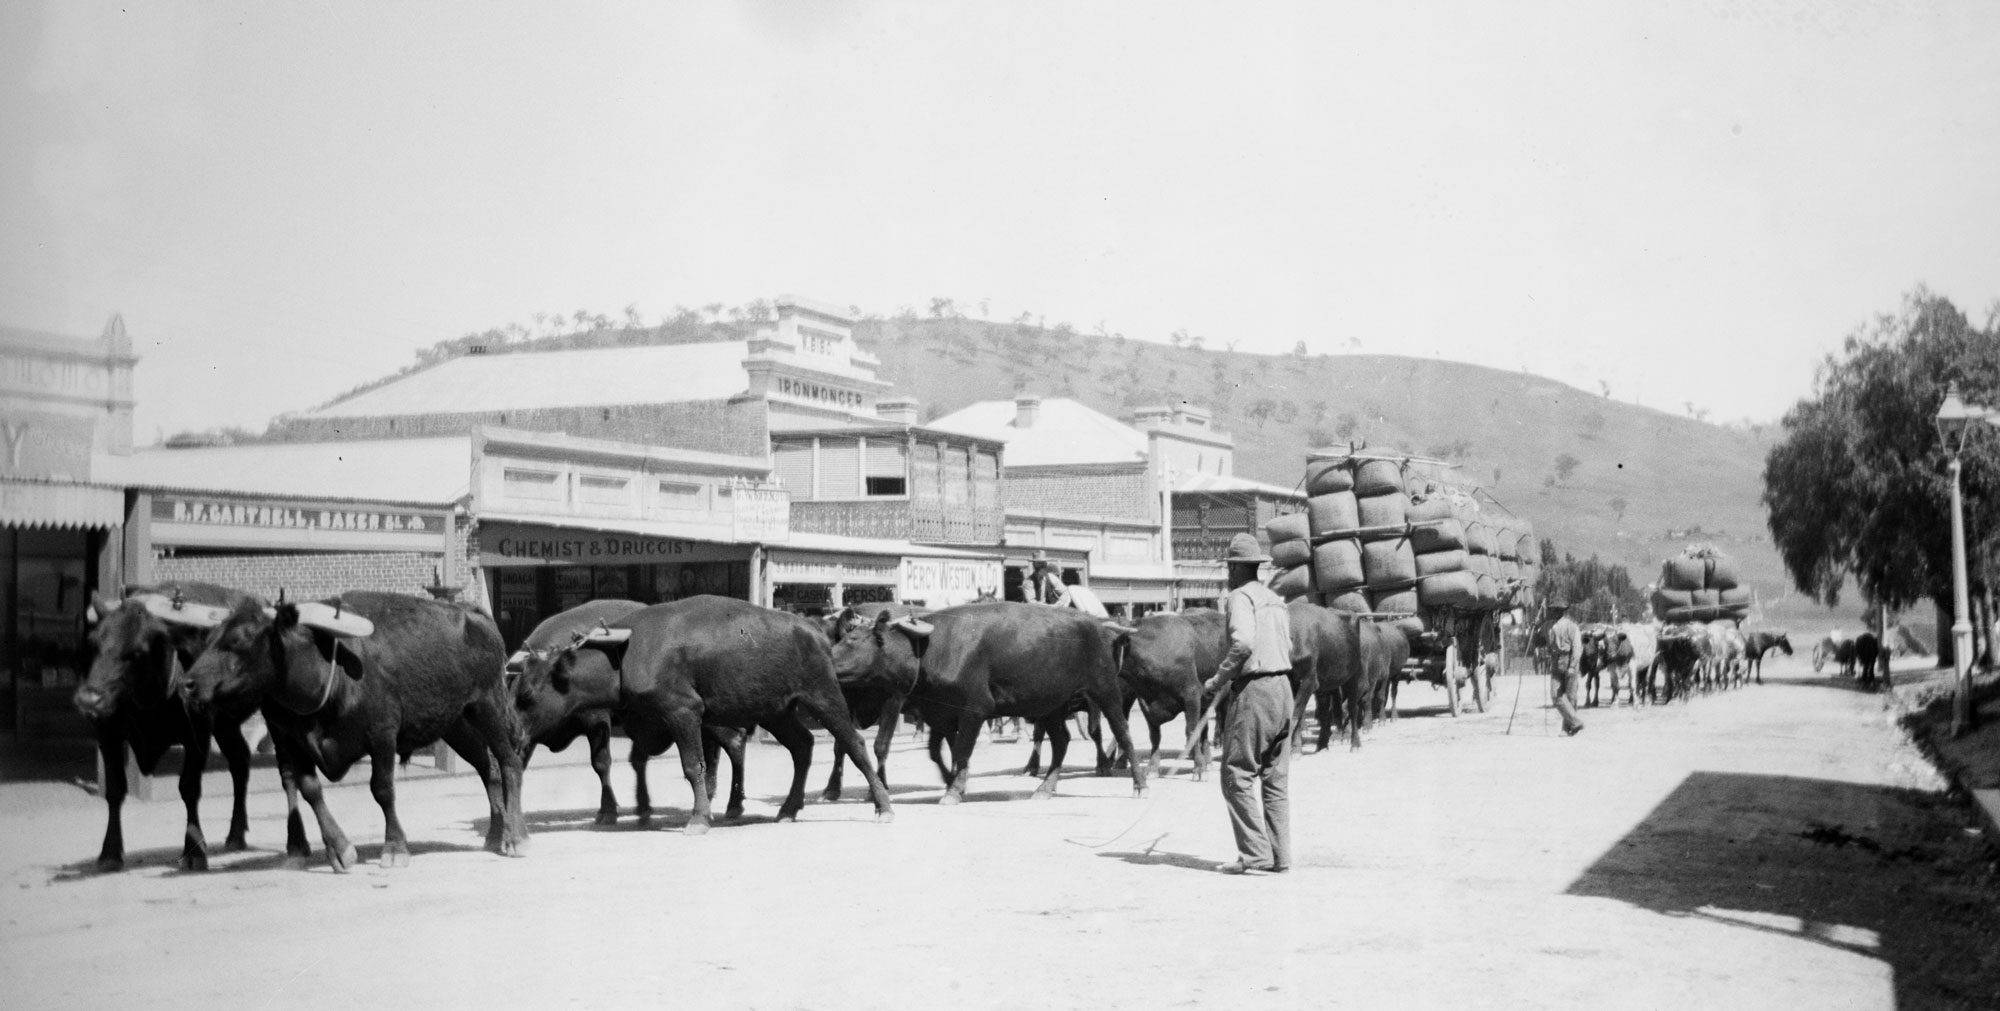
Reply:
x=520 y=544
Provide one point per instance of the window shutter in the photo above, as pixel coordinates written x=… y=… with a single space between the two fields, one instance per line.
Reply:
x=793 y=467
x=839 y=469
x=887 y=458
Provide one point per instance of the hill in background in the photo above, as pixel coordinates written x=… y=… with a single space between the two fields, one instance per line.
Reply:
x=1628 y=483
x=1631 y=484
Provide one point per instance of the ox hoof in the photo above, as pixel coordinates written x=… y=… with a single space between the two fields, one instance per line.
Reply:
x=1138 y=793
x=107 y=863
x=343 y=858
x=1041 y=795
x=733 y=812
x=787 y=817
x=607 y=816
x=235 y=844
x=696 y=828
x=517 y=847
x=830 y=796
x=395 y=855
x=193 y=859
x=884 y=816
x=296 y=861
x=950 y=799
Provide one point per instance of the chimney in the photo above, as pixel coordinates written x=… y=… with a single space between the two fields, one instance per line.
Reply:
x=901 y=410
x=1027 y=408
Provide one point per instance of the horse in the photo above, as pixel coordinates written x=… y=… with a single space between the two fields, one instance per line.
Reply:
x=1760 y=642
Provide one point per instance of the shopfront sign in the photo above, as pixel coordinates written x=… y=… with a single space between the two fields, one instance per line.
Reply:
x=207 y=521
x=829 y=569
x=760 y=515
x=942 y=582
x=530 y=544
x=38 y=444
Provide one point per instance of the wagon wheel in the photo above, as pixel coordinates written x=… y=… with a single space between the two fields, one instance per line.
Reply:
x=1478 y=683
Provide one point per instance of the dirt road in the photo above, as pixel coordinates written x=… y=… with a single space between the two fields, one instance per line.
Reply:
x=1779 y=846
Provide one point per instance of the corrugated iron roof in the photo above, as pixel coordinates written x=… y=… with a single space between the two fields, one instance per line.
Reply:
x=428 y=471
x=527 y=380
x=1224 y=484
x=1064 y=432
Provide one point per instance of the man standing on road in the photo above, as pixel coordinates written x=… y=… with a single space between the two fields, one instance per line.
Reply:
x=1256 y=715
x=1565 y=648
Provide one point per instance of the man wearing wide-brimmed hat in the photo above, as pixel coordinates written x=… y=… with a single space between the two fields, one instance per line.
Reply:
x=1565 y=641
x=1256 y=716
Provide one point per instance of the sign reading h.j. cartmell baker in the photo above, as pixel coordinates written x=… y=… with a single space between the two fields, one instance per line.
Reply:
x=208 y=521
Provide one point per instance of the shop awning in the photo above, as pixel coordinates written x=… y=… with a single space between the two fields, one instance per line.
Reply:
x=64 y=506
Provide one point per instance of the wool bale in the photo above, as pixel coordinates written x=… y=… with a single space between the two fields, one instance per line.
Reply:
x=1337 y=565
x=1289 y=527
x=1719 y=572
x=1332 y=512
x=1398 y=601
x=1527 y=549
x=1352 y=600
x=1666 y=602
x=1439 y=562
x=1286 y=554
x=1324 y=477
x=1293 y=582
x=1434 y=508
x=1684 y=572
x=1449 y=589
x=1491 y=594
x=1705 y=598
x=1734 y=596
x=1478 y=539
x=1448 y=535
x=1378 y=477
x=1389 y=562
x=1390 y=510
x=1510 y=570
x=1506 y=543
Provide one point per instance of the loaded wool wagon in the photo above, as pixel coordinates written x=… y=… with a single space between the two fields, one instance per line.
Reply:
x=1386 y=535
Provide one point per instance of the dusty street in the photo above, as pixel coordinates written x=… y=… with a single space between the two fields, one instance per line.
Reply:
x=1779 y=846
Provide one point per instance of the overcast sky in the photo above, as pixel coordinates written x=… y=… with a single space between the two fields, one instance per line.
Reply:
x=1691 y=202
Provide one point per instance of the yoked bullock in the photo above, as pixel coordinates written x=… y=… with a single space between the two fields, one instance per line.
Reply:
x=588 y=692
x=996 y=658
x=712 y=661
x=373 y=675
x=143 y=646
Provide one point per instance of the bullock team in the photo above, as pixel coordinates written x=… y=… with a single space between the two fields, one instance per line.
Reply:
x=1655 y=663
x=380 y=675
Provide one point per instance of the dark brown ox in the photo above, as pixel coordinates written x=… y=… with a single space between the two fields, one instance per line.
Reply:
x=1339 y=659
x=719 y=662
x=875 y=698
x=583 y=704
x=143 y=646
x=998 y=658
x=376 y=676
x=1162 y=663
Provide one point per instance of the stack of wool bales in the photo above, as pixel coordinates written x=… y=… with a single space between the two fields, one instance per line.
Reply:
x=1291 y=555
x=1388 y=552
x=1700 y=584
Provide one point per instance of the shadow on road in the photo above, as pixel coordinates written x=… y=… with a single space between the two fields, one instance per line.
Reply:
x=1886 y=873
x=1150 y=857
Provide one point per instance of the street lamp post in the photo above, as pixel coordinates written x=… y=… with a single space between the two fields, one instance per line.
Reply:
x=1955 y=422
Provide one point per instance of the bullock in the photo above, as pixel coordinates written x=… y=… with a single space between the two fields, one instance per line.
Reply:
x=1756 y=644
x=1638 y=656
x=555 y=642
x=376 y=676
x=1683 y=649
x=716 y=662
x=876 y=698
x=1593 y=656
x=999 y=658
x=142 y=646
x=1339 y=659
x=1866 y=649
x=1386 y=674
x=1729 y=652
x=1163 y=662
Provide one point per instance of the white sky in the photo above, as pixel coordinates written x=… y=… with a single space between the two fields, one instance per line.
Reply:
x=1690 y=201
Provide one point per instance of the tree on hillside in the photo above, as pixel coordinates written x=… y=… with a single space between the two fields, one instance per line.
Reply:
x=1857 y=486
x=1618 y=507
x=1565 y=466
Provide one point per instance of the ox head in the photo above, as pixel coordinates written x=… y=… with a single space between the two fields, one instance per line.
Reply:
x=883 y=651
x=297 y=655
x=1783 y=641
x=136 y=647
x=551 y=683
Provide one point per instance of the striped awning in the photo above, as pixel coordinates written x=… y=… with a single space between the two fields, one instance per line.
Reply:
x=63 y=506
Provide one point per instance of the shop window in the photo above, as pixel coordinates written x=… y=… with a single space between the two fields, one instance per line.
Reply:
x=888 y=486
x=597 y=489
x=543 y=485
